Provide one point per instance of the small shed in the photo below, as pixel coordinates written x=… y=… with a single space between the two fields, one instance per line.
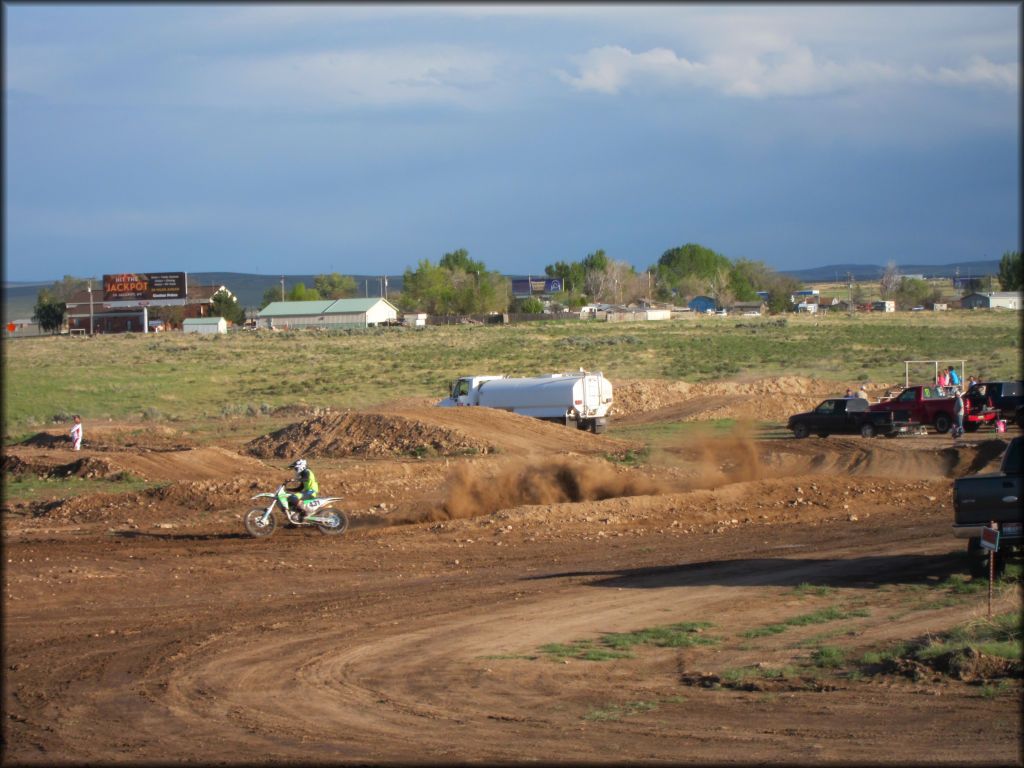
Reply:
x=204 y=325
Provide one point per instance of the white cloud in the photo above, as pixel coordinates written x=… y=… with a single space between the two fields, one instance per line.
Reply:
x=784 y=70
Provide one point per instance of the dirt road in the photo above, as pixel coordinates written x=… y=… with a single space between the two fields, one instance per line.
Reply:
x=450 y=622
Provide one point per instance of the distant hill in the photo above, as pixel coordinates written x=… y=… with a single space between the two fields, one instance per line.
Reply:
x=20 y=298
x=864 y=272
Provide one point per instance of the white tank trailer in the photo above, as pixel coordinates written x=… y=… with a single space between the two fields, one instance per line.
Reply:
x=582 y=398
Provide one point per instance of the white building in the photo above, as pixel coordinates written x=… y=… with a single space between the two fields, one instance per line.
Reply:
x=204 y=325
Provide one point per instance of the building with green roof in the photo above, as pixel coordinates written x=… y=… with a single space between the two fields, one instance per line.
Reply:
x=327 y=313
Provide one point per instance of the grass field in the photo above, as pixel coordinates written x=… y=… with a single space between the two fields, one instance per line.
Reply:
x=171 y=376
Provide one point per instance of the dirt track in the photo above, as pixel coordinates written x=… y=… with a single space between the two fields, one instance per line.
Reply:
x=151 y=628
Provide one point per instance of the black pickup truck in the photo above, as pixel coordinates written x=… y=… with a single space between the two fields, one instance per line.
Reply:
x=987 y=501
x=847 y=416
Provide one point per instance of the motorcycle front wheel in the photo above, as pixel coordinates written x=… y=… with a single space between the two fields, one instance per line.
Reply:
x=257 y=525
x=338 y=524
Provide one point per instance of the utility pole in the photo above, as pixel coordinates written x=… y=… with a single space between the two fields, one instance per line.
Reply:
x=282 y=287
x=89 y=288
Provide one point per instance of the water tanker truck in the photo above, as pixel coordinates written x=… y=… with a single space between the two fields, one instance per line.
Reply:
x=582 y=398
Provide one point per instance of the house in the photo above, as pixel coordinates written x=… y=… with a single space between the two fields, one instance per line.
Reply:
x=702 y=304
x=1000 y=300
x=204 y=325
x=328 y=313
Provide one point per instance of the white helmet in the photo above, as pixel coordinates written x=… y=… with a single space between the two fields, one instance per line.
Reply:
x=299 y=465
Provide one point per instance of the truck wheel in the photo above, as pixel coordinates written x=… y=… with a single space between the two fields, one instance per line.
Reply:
x=867 y=430
x=800 y=431
x=942 y=423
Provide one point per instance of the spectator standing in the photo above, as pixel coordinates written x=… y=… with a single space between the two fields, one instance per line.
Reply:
x=954 y=377
x=862 y=393
x=76 y=434
x=958 y=414
x=943 y=379
x=849 y=393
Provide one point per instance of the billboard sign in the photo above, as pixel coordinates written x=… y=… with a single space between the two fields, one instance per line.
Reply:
x=139 y=289
x=532 y=286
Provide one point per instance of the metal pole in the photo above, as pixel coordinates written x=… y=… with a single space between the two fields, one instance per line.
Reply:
x=991 y=571
x=90 y=306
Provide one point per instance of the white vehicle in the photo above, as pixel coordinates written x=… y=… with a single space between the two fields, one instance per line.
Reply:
x=582 y=398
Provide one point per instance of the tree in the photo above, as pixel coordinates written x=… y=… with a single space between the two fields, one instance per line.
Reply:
x=1011 y=272
x=720 y=290
x=270 y=295
x=335 y=286
x=299 y=292
x=456 y=285
x=225 y=305
x=49 y=311
x=912 y=292
x=172 y=315
x=532 y=306
x=890 y=281
x=64 y=290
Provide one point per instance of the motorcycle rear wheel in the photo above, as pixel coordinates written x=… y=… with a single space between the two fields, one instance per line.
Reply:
x=340 y=523
x=256 y=525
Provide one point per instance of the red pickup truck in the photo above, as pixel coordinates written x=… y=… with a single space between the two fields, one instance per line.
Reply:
x=929 y=404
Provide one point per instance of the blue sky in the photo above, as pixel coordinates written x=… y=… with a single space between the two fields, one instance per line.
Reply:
x=362 y=139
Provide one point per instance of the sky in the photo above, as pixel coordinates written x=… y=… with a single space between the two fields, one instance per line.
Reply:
x=366 y=139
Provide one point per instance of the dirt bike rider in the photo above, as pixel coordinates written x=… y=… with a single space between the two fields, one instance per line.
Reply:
x=308 y=488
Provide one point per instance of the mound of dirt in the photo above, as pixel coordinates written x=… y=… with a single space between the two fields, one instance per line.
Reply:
x=87 y=466
x=428 y=431
x=366 y=435
x=772 y=398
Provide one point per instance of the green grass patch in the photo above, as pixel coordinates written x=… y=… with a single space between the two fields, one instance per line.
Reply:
x=683 y=634
x=32 y=488
x=822 y=616
x=805 y=589
x=616 y=645
x=170 y=376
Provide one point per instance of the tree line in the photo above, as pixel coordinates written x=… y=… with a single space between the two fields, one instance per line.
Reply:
x=460 y=285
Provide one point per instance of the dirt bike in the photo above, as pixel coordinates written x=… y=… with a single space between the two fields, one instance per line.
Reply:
x=260 y=522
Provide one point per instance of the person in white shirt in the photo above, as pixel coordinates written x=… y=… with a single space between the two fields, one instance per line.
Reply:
x=76 y=434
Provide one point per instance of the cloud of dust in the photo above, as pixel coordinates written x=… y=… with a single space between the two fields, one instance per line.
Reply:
x=471 y=492
x=721 y=459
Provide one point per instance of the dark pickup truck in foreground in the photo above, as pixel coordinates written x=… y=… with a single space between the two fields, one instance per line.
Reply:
x=987 y=501
x=847 y=416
